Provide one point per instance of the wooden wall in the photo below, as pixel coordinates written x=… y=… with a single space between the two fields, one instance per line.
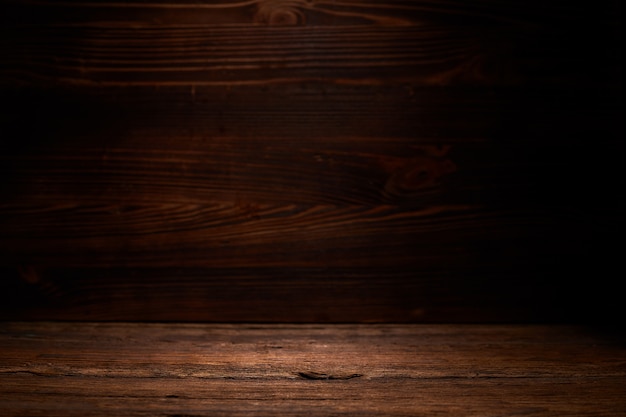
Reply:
x=311 y=160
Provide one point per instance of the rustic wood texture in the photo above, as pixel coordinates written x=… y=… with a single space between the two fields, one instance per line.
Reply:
x=231 y=42
x=87 y=369
x=351 y=160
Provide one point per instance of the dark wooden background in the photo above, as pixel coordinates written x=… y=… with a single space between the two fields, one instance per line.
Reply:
x=311 y=161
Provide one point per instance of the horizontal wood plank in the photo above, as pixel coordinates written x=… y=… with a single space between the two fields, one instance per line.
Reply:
x=223 y=236
x=308 y=144
x=466 y=291
x=174 y=369
x=230 y=12
x=230 y=43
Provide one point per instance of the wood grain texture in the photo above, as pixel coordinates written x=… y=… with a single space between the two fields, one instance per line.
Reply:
x=421 y=42
x=174 y=370
x=382 y=161
x=440 y=214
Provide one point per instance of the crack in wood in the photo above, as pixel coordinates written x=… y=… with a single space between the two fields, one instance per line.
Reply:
x=324 y=376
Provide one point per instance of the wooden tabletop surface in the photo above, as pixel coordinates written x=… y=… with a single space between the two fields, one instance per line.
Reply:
x=123 y=369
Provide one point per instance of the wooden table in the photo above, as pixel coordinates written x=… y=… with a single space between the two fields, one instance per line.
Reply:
x=132 y=369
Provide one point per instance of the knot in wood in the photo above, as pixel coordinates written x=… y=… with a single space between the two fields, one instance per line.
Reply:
x=423 y=171
x=281 y=13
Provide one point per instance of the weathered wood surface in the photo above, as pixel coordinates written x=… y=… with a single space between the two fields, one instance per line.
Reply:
x=411 y=160
x=86 y=369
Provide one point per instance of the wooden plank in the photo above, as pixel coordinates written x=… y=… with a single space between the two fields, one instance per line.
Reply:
x=460 y=292
x=318 y=13
x=174 y=369
x=263 y=236
x=306 y=143
x=229 y=43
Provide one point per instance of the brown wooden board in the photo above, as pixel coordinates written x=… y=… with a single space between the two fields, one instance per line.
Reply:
x=386 y=161
x=86 y=369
